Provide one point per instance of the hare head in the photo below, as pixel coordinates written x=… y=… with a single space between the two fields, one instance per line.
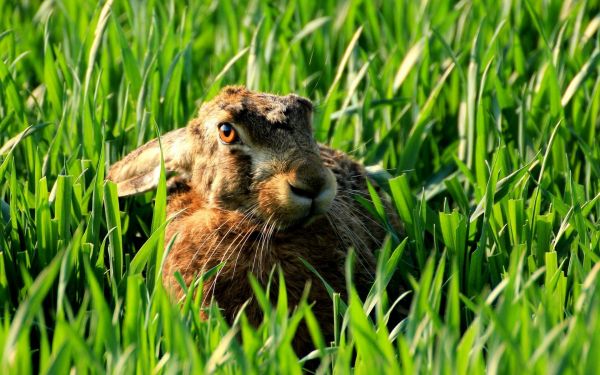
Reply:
x=245 y=151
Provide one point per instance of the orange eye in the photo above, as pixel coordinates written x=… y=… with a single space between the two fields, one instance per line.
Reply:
x=228 y=134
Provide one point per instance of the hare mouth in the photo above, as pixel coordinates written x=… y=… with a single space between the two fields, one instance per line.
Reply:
x=311 y=218
x=306 y=211
x=304 y=221
x=294 y=200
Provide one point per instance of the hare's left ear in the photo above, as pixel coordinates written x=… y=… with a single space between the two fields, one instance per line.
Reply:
x=139 y=171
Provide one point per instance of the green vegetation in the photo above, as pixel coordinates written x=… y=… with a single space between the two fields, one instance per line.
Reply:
x=485 y=112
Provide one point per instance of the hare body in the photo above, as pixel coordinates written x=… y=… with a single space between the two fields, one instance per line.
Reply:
x=254 y=191
x=206 y=237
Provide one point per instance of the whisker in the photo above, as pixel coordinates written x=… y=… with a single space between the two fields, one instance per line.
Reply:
x=261 y=241
x=342 y=198
x=343 y=230
x=213 y=234
x=357 y=212
x=267 y=245
x=228 y=253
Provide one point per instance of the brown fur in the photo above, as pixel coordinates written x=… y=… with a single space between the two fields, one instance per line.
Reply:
x=242 y=205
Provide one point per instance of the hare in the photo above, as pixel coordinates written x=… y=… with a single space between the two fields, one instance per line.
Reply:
x=254 y=190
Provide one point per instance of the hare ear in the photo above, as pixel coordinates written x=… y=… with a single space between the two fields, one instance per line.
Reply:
x=139 y=171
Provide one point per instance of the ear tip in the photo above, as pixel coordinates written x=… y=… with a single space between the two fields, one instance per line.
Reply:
x=234 y=90
x=113 y=172
x=110 y=175
x=304 y=102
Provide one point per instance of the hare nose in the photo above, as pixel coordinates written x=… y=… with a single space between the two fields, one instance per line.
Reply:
x=305 y=191
x=312 y=188
x=309 y=181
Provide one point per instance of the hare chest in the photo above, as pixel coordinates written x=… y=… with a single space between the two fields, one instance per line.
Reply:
x=205 y=238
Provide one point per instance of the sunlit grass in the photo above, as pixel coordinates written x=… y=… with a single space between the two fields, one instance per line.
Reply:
x=485 y=115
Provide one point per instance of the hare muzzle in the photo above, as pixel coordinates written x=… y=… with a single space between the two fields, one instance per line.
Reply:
x=312 y=188
x=304 y=191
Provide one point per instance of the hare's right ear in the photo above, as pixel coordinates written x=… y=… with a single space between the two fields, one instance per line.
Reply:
x=139 y=171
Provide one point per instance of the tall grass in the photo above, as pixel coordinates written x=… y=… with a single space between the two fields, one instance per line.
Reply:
x=485 y=113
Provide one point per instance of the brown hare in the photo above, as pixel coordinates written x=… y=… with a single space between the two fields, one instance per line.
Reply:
x=254 y=190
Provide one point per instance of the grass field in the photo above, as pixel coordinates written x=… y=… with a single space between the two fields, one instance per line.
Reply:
x=484 y=112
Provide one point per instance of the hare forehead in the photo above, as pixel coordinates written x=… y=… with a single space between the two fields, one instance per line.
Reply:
x=256 y=131
x=268 y=109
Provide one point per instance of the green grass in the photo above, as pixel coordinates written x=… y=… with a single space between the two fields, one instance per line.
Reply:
x=486 y=114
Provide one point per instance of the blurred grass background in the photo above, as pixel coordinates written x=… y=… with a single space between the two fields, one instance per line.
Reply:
x=485 y=113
